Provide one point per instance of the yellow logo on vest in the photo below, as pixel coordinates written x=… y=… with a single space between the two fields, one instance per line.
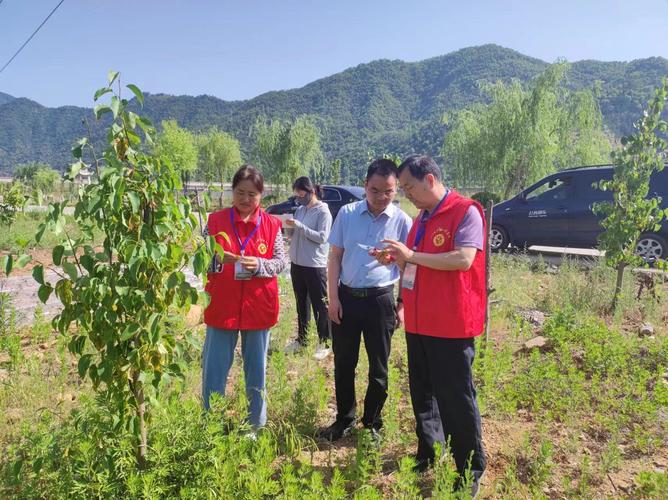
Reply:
x=439 y=237
x=262 y=248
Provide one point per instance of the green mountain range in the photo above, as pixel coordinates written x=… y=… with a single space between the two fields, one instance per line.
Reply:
x=383 y=106
x=5 y=98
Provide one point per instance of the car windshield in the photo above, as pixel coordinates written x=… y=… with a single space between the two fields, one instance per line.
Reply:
x=555 y=189
x=357 y=191
x=337 y=194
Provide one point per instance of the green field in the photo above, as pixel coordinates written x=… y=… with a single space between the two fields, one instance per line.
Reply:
x=586 y=416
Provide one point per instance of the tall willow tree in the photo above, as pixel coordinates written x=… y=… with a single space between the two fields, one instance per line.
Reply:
x=524 y=133
x=219 y=156
x=179 y=147
x=287 y=150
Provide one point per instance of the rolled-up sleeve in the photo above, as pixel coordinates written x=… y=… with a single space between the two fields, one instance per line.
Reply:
x=269 y=268
x=470 y=232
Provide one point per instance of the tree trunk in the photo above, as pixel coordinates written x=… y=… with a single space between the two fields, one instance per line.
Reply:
x=618 y=287
x=516 y=180
x=185 y=179
x=138 y=392
x=513 y=181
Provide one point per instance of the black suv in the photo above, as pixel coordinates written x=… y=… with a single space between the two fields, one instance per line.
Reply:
x=557 y=211
x=334 y=196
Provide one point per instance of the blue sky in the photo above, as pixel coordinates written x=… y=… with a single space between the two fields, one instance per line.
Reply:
x=240 y=49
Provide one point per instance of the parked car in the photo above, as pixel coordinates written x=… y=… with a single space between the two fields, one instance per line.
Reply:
x=334 y=196
x=557 y=211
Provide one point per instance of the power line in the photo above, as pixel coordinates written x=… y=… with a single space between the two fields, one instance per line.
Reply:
x=31 y=36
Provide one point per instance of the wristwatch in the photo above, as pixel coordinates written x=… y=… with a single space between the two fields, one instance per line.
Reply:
x=400 y=300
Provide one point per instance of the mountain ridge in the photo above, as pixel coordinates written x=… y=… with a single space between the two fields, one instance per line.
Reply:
x=380 y=106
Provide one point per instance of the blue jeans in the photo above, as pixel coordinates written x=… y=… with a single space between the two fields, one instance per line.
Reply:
x=217 y=358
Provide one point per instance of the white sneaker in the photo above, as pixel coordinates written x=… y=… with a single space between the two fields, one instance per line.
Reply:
x=322 y=351
x=250 y=435
x=293 y=347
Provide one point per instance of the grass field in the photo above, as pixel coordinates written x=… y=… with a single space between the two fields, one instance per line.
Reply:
x=22 y=233
x=584 y=416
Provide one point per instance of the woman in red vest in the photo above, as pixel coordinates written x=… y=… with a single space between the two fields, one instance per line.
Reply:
x=244 y=291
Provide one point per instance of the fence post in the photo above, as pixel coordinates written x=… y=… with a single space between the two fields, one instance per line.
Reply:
x=489 y=211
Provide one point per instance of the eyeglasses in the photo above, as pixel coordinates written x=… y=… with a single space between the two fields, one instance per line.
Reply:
x=386 y=194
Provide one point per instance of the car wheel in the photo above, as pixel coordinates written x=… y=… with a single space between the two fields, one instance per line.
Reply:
x=498 y=239
x=651 y=247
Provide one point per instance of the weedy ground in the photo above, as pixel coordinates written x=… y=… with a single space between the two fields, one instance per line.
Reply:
x=583 y=416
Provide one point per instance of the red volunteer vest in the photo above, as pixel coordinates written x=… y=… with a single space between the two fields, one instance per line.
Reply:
x=242 y=304
x=449 y=304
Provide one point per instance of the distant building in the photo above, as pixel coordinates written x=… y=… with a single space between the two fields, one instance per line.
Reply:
x=84 y=176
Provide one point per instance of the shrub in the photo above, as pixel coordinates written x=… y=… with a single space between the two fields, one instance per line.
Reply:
x=13 y=199
x=484 y=197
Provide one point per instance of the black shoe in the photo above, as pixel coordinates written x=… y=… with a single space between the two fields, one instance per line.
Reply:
x=336 y=431
x=375 y=435
x=422 y=464
x=473 y=486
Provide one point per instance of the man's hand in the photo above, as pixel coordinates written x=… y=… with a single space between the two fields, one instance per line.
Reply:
x=398 y=250
x=290 y=222
x=384 y=257
x=335 y=310
x=400 y=315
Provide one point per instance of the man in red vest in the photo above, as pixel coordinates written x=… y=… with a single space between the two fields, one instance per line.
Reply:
x=444 y=294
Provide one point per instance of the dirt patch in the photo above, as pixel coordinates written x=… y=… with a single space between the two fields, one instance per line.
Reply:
x=39 y=256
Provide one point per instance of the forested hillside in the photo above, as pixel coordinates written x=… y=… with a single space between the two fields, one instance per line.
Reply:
x=382 y=106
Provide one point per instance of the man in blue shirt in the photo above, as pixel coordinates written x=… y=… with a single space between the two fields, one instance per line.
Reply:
x=361 y=298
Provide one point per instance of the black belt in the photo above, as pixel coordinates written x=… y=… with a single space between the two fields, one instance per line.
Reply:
x=367 y=292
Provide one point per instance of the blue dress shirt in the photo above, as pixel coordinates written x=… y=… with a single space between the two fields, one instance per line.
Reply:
x=355 y=225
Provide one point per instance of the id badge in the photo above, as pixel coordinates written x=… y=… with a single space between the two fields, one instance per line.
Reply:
x=240 y=273
x=408 y=278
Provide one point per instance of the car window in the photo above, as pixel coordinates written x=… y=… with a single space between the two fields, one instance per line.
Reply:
x=331 y=195
x=587 y=187
x=349 y=197
x=353 y=193
x=555 y=189
x=658 y=186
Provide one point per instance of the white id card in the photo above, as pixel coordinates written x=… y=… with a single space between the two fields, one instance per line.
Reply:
x=240 y=273
x=408 y=278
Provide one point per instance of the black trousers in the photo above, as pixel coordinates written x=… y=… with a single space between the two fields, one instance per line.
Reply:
x=374 y=317
x=444 y=399
x=310 y=287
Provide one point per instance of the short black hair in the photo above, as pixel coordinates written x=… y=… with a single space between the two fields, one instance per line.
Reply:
x=421 y=165
x=382 y=167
